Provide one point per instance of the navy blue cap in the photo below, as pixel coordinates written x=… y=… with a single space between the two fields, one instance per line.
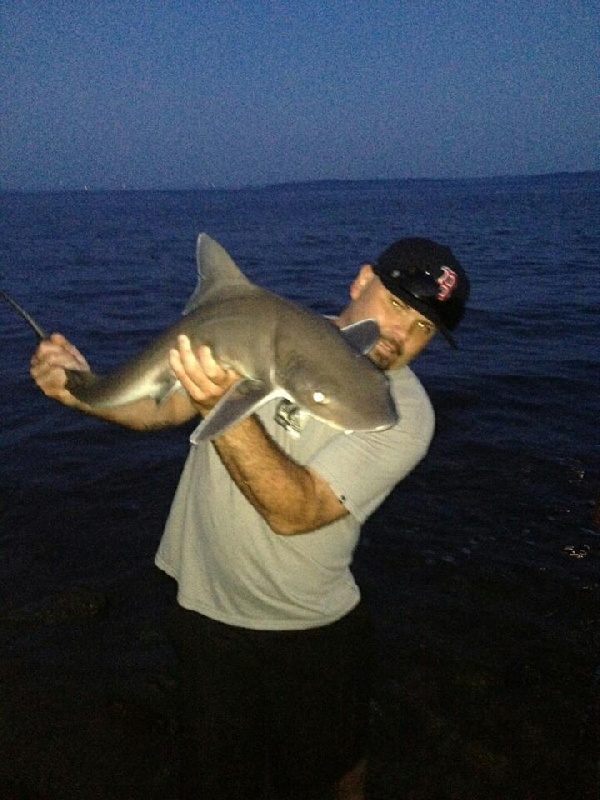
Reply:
x=428 y=277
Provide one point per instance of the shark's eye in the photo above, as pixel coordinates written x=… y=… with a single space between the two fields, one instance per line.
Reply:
x=320 y=398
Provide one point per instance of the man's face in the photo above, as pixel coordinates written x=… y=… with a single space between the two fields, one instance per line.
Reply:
x=404 y=330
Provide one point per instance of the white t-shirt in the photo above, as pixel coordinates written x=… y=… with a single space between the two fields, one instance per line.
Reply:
x=232 y=567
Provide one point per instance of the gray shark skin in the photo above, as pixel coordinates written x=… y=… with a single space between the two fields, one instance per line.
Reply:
x=279 y=349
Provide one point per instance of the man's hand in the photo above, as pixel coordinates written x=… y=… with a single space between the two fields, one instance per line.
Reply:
x=49 y=362
x=203 y=378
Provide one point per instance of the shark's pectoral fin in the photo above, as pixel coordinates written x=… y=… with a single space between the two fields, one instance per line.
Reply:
x=362 y=335
x=240 y=401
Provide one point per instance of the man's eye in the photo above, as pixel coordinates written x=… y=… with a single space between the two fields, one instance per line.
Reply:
x=426 y=327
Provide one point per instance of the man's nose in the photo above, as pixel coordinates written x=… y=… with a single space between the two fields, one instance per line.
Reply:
x=401 y=329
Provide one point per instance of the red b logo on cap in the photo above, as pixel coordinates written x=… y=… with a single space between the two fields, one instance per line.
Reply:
x=447 y=281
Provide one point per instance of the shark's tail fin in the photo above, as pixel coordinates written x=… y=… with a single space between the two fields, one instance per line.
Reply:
x=27 y=317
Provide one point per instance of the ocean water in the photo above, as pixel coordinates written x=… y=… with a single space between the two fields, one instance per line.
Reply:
x=511 y=480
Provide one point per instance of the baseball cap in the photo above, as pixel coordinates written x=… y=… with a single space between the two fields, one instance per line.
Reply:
x=428 y=277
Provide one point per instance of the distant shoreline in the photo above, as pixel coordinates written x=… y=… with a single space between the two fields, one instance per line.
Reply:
x=317 y=184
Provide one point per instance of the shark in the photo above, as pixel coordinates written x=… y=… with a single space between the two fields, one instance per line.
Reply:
x=280 y=350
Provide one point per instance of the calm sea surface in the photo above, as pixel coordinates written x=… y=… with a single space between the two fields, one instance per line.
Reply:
x=514 y=471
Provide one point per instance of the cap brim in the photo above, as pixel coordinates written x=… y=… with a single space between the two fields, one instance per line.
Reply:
x=450 y=339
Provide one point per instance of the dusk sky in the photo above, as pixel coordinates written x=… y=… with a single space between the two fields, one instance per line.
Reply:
x=192 y=93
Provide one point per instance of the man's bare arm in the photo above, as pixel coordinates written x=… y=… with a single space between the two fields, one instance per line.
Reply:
x=290 y=497
x=56 y=354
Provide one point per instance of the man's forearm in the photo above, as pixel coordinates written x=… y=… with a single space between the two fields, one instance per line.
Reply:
x=145 y=414
x=287 y=495
x=56 y=356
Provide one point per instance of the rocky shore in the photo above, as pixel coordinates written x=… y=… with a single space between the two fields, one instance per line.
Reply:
x=486 y=688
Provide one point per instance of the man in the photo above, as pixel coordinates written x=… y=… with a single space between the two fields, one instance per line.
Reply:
x=272 y=639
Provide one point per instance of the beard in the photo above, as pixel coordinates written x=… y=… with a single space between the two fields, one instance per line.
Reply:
x=385 y=353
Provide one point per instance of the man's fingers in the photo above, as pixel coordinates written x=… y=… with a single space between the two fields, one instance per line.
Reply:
x=52 y=353
x=48 y=364
x=200 y=374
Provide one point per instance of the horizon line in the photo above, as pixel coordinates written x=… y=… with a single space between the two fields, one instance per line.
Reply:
x=289 y=183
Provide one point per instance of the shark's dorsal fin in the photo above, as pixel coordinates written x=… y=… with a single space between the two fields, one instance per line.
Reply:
x=216 y=270
x=362 y=335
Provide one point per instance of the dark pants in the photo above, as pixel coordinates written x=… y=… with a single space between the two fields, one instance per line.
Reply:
x=282 y=708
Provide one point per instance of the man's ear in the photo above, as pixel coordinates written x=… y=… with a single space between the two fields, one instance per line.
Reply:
x=364 y=277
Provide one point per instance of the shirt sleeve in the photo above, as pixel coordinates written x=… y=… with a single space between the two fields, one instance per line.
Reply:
x=362 y=468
